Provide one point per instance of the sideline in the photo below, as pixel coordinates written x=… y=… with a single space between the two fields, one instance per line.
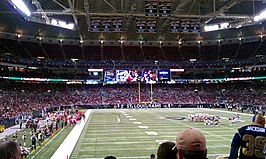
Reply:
x=65 y=149
x=10 y=131
x=42 y=147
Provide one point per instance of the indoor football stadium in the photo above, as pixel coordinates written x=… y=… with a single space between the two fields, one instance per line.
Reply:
x=132 y=79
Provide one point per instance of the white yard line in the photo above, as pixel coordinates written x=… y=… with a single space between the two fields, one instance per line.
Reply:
x=69 y=143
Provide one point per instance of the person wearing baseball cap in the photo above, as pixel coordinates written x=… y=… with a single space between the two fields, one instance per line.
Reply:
x=191 y=144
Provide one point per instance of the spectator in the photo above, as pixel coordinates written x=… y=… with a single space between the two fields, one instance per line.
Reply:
x=152 y=156
x=10 y=150
x=191 y=144
x=167 y=150
x=109 y=157
x=250 y=139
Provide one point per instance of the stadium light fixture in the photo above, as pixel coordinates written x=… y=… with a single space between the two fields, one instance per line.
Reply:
x=74 y=60
x=239 y=26
x=224 y=25
x=216 y=26
x=62 y=24
x=21 y=6
x=211 y=27
x=261 y=16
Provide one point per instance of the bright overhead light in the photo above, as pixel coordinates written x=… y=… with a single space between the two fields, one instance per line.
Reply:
x=211 y=27
x=216 y=26
x=62 y=24
x=224 y=25
x=261 y=16
x=239 y=26
x=21 y=6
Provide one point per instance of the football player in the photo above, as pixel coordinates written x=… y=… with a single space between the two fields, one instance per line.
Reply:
x=250 y=139
x=118 y=119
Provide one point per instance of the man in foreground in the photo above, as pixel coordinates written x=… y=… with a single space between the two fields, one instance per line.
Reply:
x=191 y=144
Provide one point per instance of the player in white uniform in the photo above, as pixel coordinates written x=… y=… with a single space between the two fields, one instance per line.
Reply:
x=118 y=119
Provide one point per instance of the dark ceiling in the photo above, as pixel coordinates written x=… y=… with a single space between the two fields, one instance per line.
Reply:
x=80 y=12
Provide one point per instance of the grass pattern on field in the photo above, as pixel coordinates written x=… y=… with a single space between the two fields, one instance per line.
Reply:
x=103 y=136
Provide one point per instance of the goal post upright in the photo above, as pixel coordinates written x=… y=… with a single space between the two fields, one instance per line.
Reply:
x=150 y=94
x=139 y=90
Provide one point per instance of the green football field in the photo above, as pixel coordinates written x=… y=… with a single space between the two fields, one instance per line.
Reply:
x=141 y=131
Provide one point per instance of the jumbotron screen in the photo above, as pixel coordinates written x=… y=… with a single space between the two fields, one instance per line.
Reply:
x=146 y=76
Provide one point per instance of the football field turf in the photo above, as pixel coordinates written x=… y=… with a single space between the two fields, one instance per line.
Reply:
x=142 y=130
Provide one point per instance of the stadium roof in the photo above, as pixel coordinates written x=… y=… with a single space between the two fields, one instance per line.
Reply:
x=80 y=13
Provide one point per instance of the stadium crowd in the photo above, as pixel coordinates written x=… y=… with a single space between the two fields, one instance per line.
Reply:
x=16 y=99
